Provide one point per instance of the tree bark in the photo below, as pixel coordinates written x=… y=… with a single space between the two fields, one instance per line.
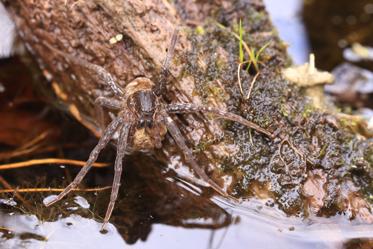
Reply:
x=204 y=70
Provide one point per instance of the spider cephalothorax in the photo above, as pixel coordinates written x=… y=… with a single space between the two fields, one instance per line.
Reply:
x=144 y=106
x=142 y=121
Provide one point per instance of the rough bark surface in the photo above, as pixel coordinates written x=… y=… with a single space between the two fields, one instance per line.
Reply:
x=204 y=72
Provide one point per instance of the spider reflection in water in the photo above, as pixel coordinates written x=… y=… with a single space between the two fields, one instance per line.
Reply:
x=141 y=106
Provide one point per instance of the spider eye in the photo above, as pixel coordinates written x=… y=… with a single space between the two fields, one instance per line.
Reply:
x=149 y=123
x=142 y=123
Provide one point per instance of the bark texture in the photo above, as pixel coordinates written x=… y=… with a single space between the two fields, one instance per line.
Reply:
x=204 y=71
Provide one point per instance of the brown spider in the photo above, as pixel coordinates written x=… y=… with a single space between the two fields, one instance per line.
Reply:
x=141 y=107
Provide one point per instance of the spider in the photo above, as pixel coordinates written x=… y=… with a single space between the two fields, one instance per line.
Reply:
x=141 y=108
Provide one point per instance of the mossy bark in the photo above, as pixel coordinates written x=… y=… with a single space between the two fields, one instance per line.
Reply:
x=337 y=163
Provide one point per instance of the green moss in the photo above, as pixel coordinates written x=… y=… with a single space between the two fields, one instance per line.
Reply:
x=274 y=104
x=200 y=30
x=368 y=155
x=308 y=110
x=283 y=110
x=347 y=123
x=323 y=150
x=257 y=17
x=201 y=146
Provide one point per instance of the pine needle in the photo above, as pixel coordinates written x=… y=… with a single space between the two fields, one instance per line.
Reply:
x=34 y=162
x=39 y=190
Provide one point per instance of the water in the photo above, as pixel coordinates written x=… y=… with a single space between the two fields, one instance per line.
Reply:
x=71 y=232
x=256 y=225
x=285 y=15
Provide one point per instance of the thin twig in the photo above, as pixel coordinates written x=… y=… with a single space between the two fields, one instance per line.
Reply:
x=38 y=190
x=280 y=155
x=239 y=75
x=38 y=148
x=49 y=161
x=251 y=83
x=251 y=137
x=34 y=144
x=6 y=229
x=7 y=186
x=35 y=140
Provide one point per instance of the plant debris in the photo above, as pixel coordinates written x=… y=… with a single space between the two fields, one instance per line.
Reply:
x=307 y=75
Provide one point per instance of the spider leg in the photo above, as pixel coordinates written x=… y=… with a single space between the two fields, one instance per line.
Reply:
x=190 y=108
x=104 y=75
x=107 y=102
x=104 y=140
x=100 y=116
x=171 y=50
x=179 y=139
x=110 y=103
x=121 y=148
x=166 y=63
x=101 y=72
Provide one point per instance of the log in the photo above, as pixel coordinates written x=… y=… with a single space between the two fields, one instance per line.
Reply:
x=316 y=164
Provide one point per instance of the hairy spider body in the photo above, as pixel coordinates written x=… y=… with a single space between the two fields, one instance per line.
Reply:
x=143 y=105
x=142 y=120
